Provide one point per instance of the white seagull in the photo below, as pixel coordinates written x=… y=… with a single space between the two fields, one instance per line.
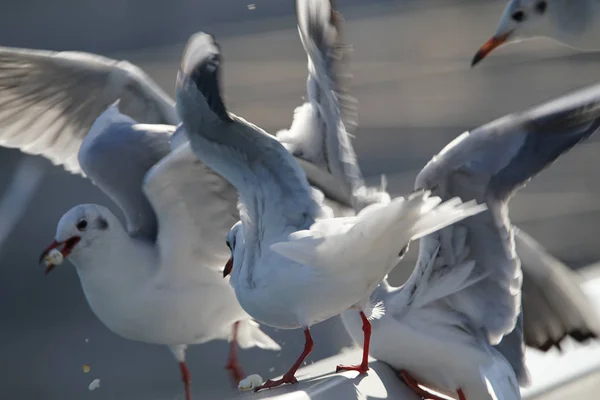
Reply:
x=574 y=23
x=553 y=303
x=159 y=279
x=464 y=297
x=292 y=265
x=50 y=100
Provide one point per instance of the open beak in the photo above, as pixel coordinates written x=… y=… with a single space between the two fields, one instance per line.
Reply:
x=494 y=42
x=228 y=267
x=67 y=247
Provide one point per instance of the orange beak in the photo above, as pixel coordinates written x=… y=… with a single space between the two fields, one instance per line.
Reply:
x=494 y=42
x=67 y=247
x=228 y=267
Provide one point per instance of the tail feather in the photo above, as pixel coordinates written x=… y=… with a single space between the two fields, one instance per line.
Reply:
x=378 y=233
x=445 y=214
x=249 y=335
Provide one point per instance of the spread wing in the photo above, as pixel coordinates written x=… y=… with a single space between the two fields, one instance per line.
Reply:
x=274 y=193
x=320 y=129
x=196 y=208
x=472 y=266
x=553 y=303
x=49 y=100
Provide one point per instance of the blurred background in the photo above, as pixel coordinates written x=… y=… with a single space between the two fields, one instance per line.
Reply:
x=416 y=92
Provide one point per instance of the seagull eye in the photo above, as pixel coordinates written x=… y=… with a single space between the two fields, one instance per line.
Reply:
x=518 y=16
x=81 y=225
x=541 y=6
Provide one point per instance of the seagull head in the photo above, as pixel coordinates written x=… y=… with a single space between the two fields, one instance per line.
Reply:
x=77 y=229
x=522 y=19
x=235 y=242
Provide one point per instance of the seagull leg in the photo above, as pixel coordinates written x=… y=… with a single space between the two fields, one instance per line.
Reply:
x=233 y=366
x=461 y=395
x=363 y=367
x=289 y=376
x=418 y=390
x=187 y=380
x=179 y=353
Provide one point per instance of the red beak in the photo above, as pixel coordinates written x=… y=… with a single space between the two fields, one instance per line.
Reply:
x=228 y=267
x=490 y=45
x=67 y=247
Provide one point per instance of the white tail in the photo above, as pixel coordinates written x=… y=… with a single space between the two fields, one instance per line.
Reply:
x=250 y=335
x=375 y=236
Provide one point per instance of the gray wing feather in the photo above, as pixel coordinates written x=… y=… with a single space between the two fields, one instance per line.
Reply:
x=553 y=303
x=116 y=156
x=333 y=107
x=273 y=188
x=49 y=100
x=489 y=164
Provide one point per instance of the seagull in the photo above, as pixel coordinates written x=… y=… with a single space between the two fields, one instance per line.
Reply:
x=158 y=279
x=553 y=302
x=76 y=109
x=293 y=265
x=50 y=100
x=456 y=325
x=570 y=22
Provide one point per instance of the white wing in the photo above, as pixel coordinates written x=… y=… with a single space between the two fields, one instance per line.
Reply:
x=274 y=193
x=195 y=208
x=49 y=100
x=319 y=132
x=475 y=269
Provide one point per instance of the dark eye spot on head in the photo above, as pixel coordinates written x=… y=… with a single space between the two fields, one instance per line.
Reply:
x=102 y=223
x=81 y=225
x=518 y=16
x=541 y=6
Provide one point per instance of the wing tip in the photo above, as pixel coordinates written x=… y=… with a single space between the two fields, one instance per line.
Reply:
x=201 y=63
x=200 y=48
x=579 y=335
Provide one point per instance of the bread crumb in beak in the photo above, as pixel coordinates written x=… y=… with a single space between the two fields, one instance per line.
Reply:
x=250 y=382
x=54 y=257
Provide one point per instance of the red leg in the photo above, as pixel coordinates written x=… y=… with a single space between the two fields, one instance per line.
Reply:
x=461 y=395
x=364 y=365
x=289 y=376
x=414 y=386
x=186 y=378
x=234 y=368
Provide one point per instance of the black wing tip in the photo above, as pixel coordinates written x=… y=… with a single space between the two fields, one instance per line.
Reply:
x=578 y=335
x=202 y=64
